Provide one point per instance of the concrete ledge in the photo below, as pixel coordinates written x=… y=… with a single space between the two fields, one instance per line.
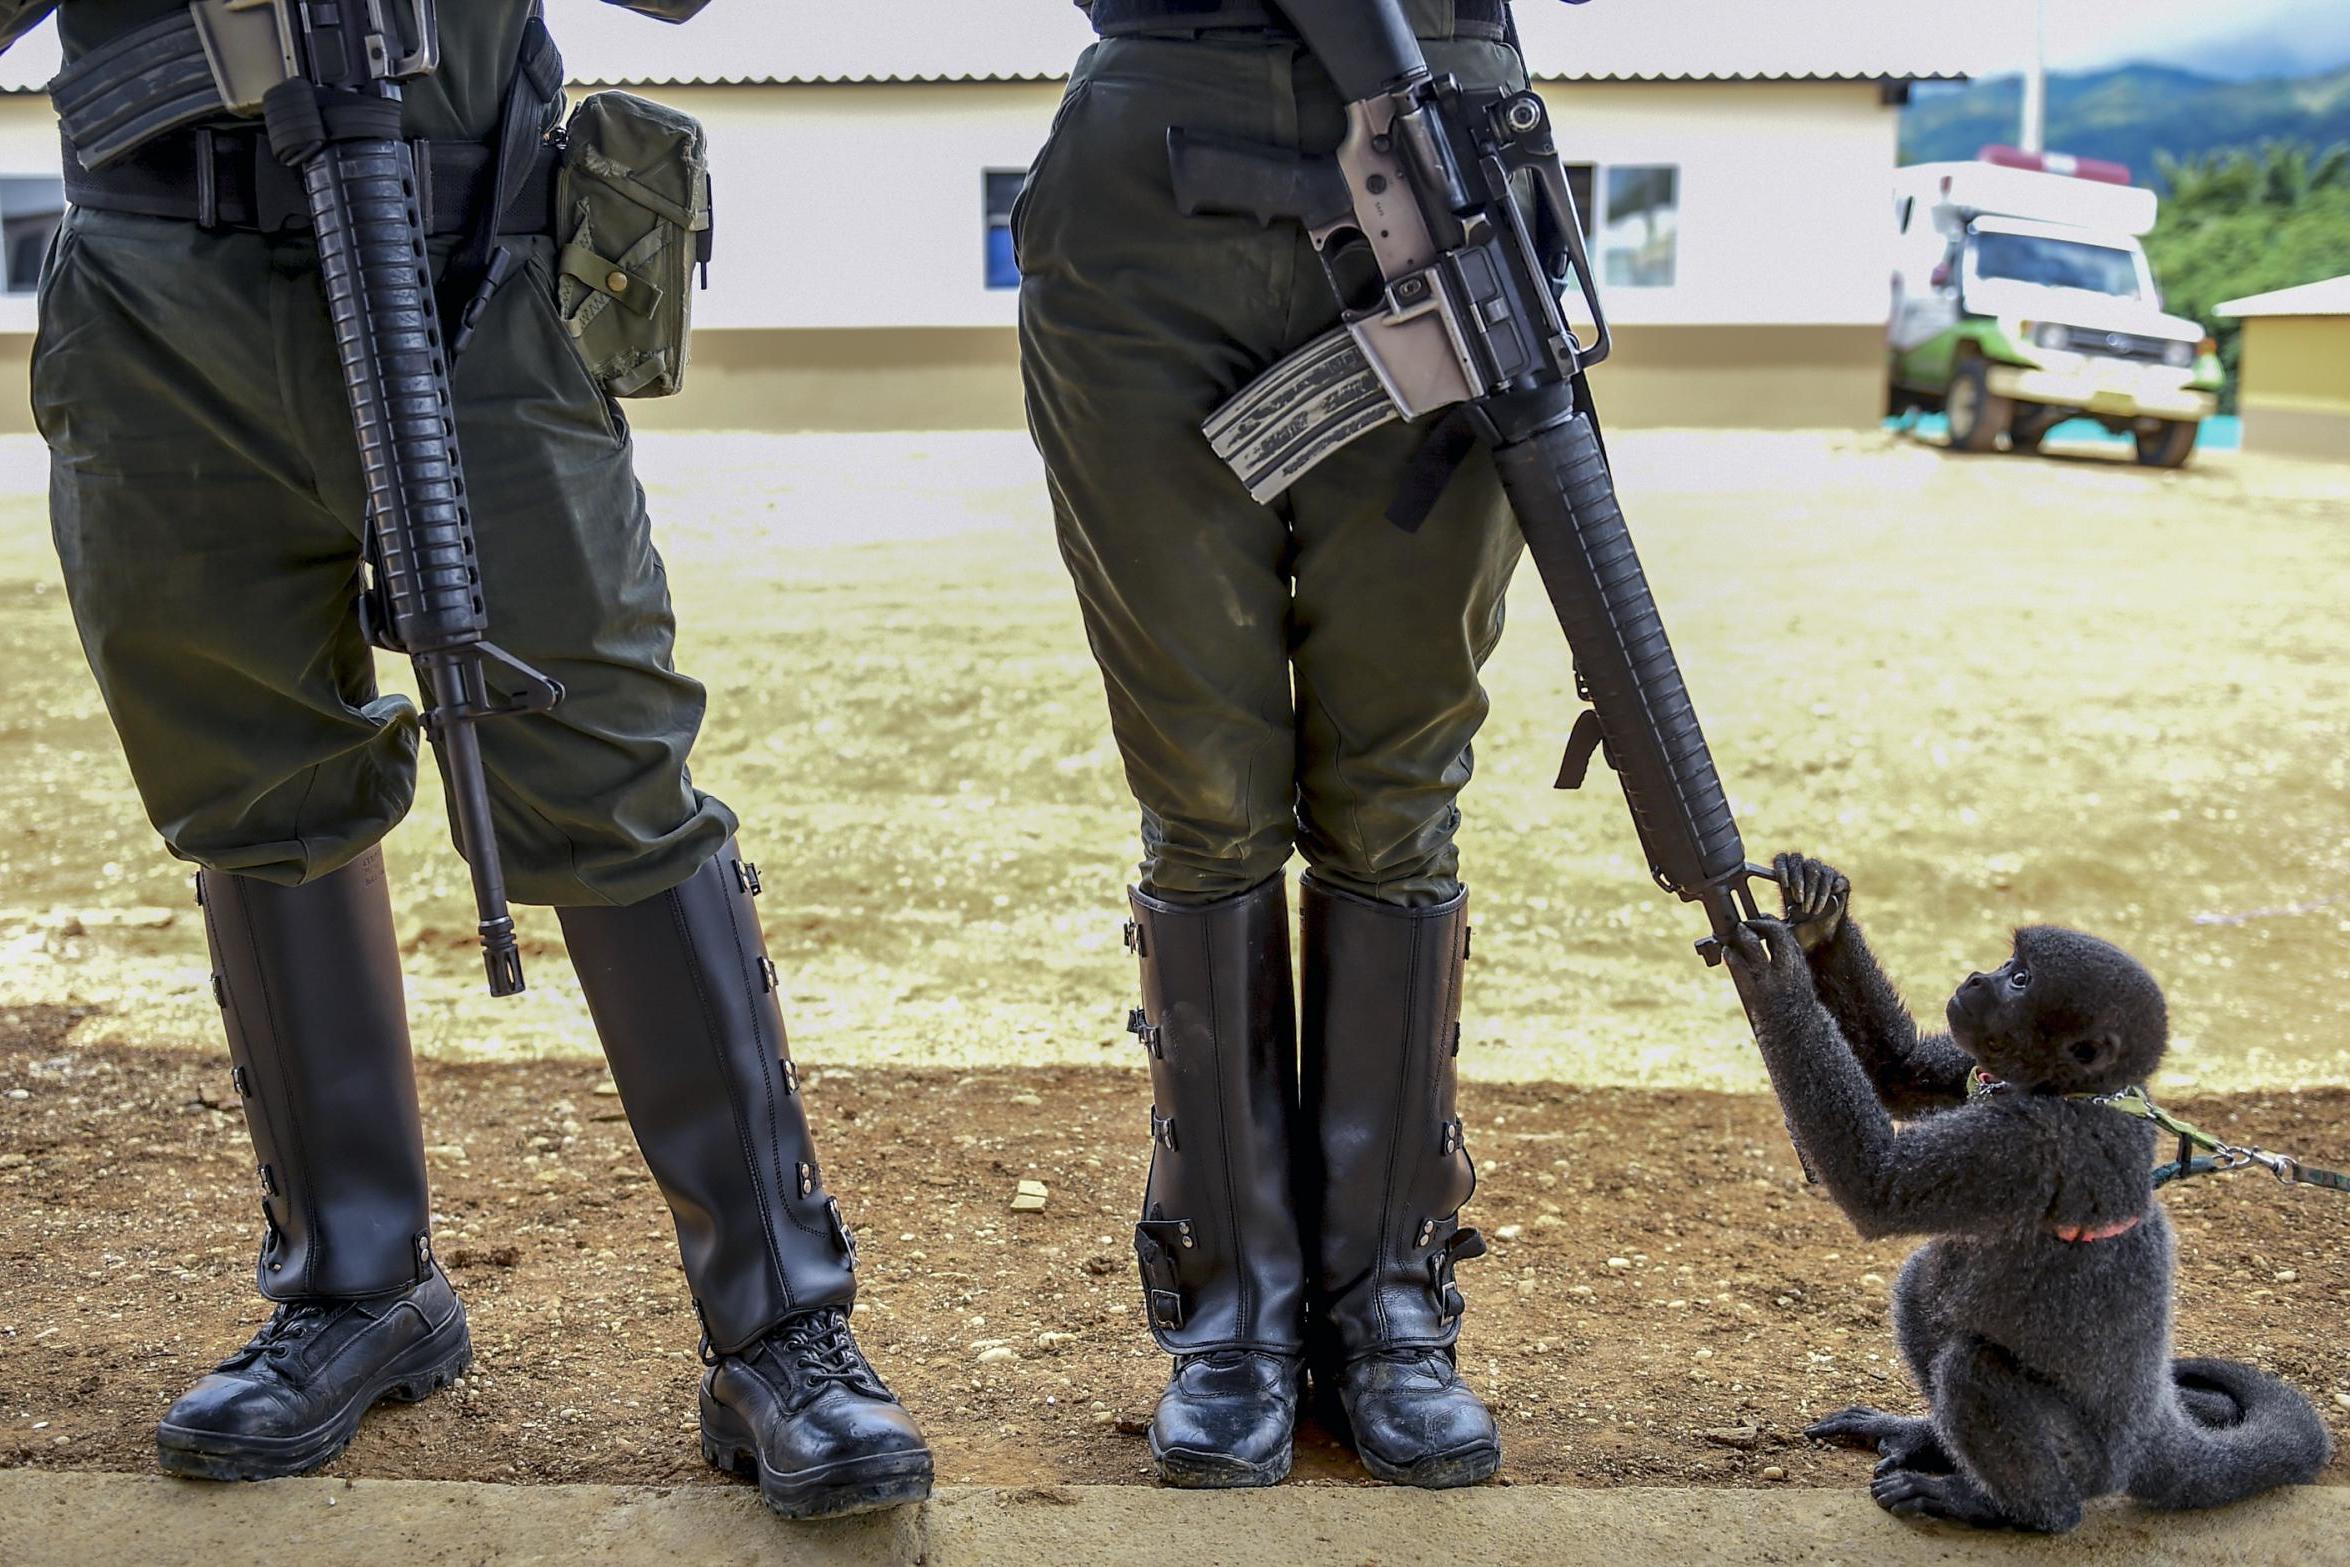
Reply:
x=55 y=1519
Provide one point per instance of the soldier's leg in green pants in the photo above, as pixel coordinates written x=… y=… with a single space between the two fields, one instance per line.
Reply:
x=1303 y=674
x=1300 y=673
x=207 y=508
x=208 y=513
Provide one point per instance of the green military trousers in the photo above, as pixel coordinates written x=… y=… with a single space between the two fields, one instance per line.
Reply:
x=1301 y=675
x=207 y=506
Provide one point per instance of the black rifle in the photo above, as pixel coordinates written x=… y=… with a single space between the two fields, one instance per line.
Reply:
x=1451 y=296
x=327 y=77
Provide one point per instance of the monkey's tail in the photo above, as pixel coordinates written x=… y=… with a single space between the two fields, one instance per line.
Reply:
x=2230 y=1432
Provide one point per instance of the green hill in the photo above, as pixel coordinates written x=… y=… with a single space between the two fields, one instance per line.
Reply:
x=2131 y=113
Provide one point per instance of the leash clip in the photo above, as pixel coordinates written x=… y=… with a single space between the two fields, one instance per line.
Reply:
x=2283 y=1166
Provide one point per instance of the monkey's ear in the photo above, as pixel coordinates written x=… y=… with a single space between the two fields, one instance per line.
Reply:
x=2095 y=1052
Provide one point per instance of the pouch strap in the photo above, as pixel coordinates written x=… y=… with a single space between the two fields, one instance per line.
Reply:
x=632 y=291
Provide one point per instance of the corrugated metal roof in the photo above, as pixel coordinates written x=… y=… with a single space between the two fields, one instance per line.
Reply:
x=766 y=42
x=2329 y=298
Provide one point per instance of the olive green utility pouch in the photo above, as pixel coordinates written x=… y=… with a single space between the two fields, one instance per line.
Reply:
x=632 y=223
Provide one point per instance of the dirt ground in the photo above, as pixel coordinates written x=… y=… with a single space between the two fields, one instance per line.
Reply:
x=1996 y=690
x=1666 y=1302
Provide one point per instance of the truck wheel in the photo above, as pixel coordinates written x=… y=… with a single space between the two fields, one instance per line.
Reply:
x=2170 y=445
x=1977 y=414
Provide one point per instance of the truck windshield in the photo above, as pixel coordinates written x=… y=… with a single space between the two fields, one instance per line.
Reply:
x=2057 y=263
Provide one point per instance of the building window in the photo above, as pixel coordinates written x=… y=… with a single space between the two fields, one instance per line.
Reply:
x=1002 y=188
x=1579 y=185
x=31 y=206
x=1640 y=240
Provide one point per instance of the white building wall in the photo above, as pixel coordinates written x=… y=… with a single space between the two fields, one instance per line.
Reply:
x=872 y=196
x=28 y=146
x=859 y=205
x=862 y=205
x=1783 y=205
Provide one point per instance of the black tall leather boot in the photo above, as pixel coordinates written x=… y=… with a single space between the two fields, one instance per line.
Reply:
x=1384 y=1180
x=684 y=997
x=1222 y=1272
x=308 y=979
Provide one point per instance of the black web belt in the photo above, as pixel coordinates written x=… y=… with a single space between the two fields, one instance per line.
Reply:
x=1483 y=19
x=229 y=179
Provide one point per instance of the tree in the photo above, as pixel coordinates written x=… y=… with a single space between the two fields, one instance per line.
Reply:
x=2243 y=221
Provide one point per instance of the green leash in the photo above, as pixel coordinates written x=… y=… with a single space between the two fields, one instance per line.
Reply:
x=2217 y=1157
x=2222 y=1154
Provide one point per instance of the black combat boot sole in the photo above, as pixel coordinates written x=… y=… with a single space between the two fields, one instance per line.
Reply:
x=1469 y=1465
x=1472 y=1464
x=863 y=1484
x=415 y=1376
x=1183 y=1469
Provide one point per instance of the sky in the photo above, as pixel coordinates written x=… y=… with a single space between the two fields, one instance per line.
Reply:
x=2237 y=38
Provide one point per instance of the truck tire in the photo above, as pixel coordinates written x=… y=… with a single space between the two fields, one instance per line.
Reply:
x=2031 y=425
x=1977 y=414
x=2170 y=446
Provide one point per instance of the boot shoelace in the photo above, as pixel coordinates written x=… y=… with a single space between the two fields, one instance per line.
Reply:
x=817 y=1350
x=282 y=1335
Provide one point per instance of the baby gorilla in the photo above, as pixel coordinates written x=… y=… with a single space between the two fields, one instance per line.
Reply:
x=2037 y=1321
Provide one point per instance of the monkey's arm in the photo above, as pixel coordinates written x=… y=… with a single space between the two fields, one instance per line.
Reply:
x=1912 y=1073
x=1954 y=1172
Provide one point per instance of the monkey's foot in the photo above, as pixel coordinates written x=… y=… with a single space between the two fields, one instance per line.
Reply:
x=1905 y=1441
x=1908 y=1493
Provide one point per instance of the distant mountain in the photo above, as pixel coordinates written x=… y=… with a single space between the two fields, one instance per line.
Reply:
x=2129 y=113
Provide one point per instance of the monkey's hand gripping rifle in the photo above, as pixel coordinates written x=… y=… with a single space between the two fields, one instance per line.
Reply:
x=1451 y=298
x=325 y=76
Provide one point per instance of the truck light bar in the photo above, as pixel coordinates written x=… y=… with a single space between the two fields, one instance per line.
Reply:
x=2057 y=163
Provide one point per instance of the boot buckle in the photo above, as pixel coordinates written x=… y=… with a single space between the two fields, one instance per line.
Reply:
x=1461 y=1245
x=791 y=1076
x=1451 y=1139
x=1162 y=1284
x=841 y=1233
x=1468 y=941
x=1163 y=1130
x=746 y=876
x=768 y=979
x=1138 y=1024
x=241 y=1081
x=219 y=991
x=807 y=1177
x=1135 y=942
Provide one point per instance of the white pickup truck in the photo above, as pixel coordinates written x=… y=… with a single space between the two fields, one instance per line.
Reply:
x=2022 y=298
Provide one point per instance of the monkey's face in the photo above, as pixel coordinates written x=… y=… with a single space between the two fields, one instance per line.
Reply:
x=2066 y=1013
x=1984 y=1010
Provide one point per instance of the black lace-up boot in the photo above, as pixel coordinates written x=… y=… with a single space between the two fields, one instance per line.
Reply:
x=684 y=997
x=804 y=1414
x=1223 y=1276
x=308 y=979
x=1384 y=1182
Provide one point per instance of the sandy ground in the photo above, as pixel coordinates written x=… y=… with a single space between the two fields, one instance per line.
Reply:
x=1995 y=690
x=1666 y=1302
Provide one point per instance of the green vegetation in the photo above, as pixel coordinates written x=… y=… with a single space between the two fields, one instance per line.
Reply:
x=2243 y=222
x=2133 y=115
